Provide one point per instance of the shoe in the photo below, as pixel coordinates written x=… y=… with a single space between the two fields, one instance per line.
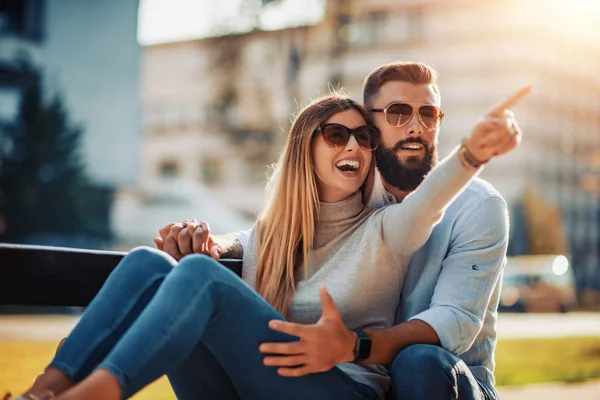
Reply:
x=45 y=396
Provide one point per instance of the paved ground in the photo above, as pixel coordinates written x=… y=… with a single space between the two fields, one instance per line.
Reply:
x=585 y=391
x=549 y=325
x=36 y=327
x=509 y=326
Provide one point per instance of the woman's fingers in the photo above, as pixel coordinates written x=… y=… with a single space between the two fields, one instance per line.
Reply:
x=187 y=237
x=498 y=132
x=165 y=230
x=500 y=143
x=511 y=102
x=494 y=136
x=171 y=245
x=184 y=240
x=159 y=242
x=200 y=238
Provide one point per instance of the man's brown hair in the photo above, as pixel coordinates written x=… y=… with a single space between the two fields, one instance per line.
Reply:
x=417 y=73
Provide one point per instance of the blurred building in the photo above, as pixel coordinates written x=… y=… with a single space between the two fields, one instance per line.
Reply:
x=216 y=109
x=483 y=52
x=88 y=53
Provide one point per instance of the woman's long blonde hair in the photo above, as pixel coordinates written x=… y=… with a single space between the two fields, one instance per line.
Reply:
x=286 y=226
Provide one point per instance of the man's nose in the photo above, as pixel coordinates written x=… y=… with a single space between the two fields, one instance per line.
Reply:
x=414 y=126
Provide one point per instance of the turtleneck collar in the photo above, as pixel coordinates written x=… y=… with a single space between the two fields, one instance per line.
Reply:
x=341 y=210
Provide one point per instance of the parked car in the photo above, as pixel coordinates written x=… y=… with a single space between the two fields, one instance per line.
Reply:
x=538 y=283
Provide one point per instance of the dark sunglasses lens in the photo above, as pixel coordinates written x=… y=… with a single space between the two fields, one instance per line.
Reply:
x=366 y=137
x=335 y=135
x=398 y=114
x=363 y=137
x=430 y=116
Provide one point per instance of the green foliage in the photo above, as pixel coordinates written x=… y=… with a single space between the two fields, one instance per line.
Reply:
x=525 y=361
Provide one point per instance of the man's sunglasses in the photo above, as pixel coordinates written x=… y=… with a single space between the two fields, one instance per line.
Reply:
x=398 y=114
x=336 y=135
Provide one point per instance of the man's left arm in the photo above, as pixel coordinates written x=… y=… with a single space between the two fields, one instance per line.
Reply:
x=469 y=274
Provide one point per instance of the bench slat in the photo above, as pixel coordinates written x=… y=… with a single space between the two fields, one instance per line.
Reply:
x=58 y=276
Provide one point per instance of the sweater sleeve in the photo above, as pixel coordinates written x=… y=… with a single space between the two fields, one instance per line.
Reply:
x=250 y=258
x=406 y=226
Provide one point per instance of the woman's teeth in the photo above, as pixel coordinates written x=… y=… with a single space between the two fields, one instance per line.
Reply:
x=348 y=165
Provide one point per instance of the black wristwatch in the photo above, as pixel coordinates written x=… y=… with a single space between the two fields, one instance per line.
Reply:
x=362 y=349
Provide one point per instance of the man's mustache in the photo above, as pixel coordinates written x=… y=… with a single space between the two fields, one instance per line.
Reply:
x=409 y=140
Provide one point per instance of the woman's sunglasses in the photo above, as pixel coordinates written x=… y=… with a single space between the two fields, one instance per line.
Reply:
x=398 y=114
x=336 y=135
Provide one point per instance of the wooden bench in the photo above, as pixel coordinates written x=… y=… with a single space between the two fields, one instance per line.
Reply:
x=58 y=276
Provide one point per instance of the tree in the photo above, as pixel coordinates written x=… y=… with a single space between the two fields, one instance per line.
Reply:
x=43 y=188
x=545 y=230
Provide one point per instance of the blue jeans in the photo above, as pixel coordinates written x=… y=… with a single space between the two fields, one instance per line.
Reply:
x=424 y=371
x=195 y=321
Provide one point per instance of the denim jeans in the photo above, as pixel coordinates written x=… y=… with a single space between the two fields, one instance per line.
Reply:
x=195 y=321
x=424 y=371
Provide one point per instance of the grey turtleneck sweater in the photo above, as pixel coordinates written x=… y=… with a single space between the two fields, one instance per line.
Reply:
x=361 y=255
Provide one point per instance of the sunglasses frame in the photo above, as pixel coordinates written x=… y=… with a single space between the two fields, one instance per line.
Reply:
x=415 y=110
x=373 y=128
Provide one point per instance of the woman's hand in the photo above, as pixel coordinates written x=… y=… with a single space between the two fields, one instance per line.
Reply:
x=187 y=237
x=498 y=132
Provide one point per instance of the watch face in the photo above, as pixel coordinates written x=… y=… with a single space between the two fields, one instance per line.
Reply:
x=363 y=346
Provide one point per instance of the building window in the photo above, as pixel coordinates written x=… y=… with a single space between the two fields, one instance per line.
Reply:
x=367 y=32
x=10 y=101
x=24 y=18
x=415 y=24
x=169 y=169
x=212 y=171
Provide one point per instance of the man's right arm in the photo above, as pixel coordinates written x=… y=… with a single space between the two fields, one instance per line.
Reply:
x=230 y=245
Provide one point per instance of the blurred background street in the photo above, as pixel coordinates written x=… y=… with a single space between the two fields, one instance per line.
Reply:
x=510 y=326
x=120 y=116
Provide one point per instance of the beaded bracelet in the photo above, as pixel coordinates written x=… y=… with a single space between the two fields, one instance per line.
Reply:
x=467 y=157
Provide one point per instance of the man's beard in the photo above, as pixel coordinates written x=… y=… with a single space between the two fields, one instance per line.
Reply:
x=407 y=175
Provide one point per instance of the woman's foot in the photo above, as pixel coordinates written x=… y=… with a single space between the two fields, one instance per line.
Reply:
x=100 y=385
x=52 y=381
x=45 y=396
